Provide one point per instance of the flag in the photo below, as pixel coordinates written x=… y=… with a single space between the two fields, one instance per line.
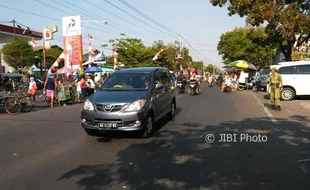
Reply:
x=33 y=43
x=157 y=55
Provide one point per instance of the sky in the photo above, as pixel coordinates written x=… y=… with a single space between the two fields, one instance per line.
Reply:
x=197 y=21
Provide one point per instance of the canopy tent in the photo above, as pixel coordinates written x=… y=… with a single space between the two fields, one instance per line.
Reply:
x=243 y=65
x=93 y=70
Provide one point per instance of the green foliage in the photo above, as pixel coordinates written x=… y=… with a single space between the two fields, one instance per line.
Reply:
x=210 y=68
x=246 y=43
x=51 y=56
x=197 y=65
x=18 y=53
x=285 y=19
x=133 y=53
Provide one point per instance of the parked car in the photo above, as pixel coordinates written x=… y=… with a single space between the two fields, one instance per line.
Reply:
x=130 y=100
x=265 y=77
x=296 y=77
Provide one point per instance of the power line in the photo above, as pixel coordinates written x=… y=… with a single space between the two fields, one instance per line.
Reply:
x=29 y=13
x=71 y=14
x=121 y=18
x=91 y=15
x=194 y=49
x=48 y=5
x=157 y=23
x=139 y=19
x=147 y=17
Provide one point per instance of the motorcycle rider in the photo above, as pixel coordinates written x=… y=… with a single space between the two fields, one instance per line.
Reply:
x=227 y=82
x=182 y=78
x=210 y=79
x=194 y=77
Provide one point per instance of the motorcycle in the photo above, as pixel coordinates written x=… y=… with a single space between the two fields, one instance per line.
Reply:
x=193 y=87
x=180 y=87
x=227 y=88
x=210 y=81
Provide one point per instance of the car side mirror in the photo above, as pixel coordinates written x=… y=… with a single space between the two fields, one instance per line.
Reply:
x=158 y=85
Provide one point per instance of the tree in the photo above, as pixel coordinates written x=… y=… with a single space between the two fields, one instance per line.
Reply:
x=52 y=55
x=210 y=68
x=197 y=65
x=18 y=53
x=133 y=53
x=287 y=21
x=246 y=43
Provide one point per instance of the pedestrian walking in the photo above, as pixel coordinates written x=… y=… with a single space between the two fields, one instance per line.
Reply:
x=50 y=87
x=276 y=88
x=32 y=90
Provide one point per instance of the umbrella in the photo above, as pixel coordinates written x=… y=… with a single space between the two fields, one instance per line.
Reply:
x=64 y=70
x=243 y=65
x=93 y=70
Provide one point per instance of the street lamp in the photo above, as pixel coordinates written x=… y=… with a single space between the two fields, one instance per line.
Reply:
x=94 y=21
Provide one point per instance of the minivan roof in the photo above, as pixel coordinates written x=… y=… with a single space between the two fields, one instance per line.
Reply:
x=295 y=63
x=141 y=69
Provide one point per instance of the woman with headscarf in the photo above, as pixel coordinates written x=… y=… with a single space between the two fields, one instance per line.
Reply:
x=32 y=90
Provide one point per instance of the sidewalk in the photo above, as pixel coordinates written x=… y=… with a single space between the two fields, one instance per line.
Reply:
x=291 y=110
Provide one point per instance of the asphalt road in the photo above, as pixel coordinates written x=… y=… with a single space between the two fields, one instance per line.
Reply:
x=48 y=150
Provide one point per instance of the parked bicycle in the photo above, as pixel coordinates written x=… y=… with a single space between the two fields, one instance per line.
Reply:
x=16 y=99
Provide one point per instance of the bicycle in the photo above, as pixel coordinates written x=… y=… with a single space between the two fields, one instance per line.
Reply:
x=20 y=92
x=11 y=105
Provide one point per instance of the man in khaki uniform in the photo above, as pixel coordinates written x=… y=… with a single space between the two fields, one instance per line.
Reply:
x=276 y=85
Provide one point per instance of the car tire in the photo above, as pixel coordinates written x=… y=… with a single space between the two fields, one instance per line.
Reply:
x=148 y=127
x=172 y=113
x=91 y=132
x=287 y=94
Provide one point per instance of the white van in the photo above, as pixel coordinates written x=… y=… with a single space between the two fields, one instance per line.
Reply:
x=296 y=78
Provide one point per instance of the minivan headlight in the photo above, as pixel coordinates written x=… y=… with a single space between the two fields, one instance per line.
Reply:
x=135 y=106
x=88 y=105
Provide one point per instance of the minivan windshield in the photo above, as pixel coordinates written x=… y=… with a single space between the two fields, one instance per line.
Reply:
x=265 y=71
x=127 y=82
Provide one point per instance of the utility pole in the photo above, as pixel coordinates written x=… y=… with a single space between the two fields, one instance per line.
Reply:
x=14 y=25
x=179 y=56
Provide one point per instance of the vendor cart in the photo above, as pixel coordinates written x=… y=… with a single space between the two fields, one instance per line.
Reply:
x=66 y=92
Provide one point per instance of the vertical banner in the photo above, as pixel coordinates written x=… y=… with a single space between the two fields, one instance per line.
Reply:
x=72 y=38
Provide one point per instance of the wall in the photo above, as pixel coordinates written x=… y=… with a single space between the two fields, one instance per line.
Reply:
x=5 y=65
x=279 y=57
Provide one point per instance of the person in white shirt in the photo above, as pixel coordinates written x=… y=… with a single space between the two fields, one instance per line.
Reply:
x=227 y=82
x=91 y=85
x=78 y=89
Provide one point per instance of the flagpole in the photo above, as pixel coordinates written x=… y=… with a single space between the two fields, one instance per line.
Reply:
x=44 y=56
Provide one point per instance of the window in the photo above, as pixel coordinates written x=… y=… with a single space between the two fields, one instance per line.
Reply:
x=169 y=75
x=265 y=71
x=287 y=70
x=303 y=69
x=127 y=81
x=165 y=77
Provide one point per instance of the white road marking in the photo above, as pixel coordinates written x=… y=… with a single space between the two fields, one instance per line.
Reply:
x=266 y=110
x=179 y=96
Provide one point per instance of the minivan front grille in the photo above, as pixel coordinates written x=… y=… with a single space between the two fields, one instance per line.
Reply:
x=110 y=107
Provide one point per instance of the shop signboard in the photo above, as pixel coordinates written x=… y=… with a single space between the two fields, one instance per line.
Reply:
x=301 y=53
x=72 y=38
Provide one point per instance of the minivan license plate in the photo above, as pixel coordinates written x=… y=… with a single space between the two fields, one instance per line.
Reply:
x=107 y=125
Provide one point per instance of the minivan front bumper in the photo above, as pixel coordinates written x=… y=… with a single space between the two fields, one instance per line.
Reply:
x=126 y=121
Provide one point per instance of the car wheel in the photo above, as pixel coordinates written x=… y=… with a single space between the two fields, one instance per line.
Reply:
x=287 y=94
x=148 y=127
x=92 y=132
x=172 y=113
